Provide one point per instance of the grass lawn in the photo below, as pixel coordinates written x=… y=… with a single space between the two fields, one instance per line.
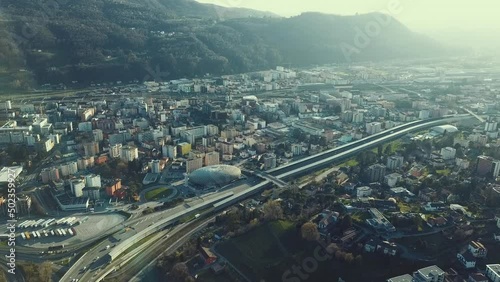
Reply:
x=405 y=208
x=360 y=217
x=436 y=243
x=159 y=193
x=350 y=163
x=260 y=252
x=444 y=172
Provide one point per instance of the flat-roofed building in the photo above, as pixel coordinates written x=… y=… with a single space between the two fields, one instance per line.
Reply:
x=493 y=272
x=429 y=274
x=401 y=278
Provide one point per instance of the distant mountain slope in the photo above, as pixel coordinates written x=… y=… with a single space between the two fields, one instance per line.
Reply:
x=109 y=40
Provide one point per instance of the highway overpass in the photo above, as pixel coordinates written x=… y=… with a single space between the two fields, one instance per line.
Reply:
x=120 y=248
x=325 y=158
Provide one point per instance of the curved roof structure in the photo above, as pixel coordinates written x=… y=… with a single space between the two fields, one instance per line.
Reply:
x=216 y=175
x=445 y=128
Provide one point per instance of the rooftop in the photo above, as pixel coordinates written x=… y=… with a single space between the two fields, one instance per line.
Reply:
x=402 y=278
x=7 y=173
x=494 y=268
x=430 y=271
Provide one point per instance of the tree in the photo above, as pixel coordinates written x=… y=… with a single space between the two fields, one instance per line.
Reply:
x=339 y=255
x=309 y=231
x=272 y=210
x=388 y=149
x=349 y=257
x=179 y=272
x=380 y=150
x=346 y=222
x=332 y=248
x=417 y=220
x=358 y=260
x=45 y=271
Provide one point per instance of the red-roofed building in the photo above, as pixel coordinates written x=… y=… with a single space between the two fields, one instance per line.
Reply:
x=207 y=255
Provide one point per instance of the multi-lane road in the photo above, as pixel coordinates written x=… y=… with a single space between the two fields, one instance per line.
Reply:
x=132 y=227
x=329 y=156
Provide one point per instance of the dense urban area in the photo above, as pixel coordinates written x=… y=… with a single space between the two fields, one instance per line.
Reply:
x=356 y=172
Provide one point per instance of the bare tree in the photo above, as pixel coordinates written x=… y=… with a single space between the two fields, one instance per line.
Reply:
x=272 y=210
x=309 y=231
x=179 y=272
x=349 y=258
x=332 y=248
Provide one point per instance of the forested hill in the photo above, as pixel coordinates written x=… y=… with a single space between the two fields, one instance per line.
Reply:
x=109 y=40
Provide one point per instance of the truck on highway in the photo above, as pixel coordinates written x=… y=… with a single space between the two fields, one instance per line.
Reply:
x=197 y=215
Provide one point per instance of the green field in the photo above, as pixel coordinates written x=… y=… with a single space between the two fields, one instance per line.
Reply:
x=159 y=193
x=444 y=172
x=262 y=251
x=350 y=163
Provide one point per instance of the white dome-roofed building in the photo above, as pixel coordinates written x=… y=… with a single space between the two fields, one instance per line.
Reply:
x=216 y=175
x=448 y=128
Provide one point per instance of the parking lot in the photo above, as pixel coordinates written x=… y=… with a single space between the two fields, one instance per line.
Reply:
x=90 y=229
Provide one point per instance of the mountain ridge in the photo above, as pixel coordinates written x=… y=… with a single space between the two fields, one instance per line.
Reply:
x=109 y=40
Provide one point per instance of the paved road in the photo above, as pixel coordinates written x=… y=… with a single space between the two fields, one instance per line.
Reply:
x=140 y=263
x=137 y=224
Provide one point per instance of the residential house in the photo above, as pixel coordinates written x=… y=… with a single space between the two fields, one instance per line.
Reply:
x=434 y=206
x=387 y=248
x=379 y=222
x=207 y=255
x=384 y=204
x=348 y=235
x=427 y=194
x=437 y=222
x=467 y=259
x=327 y=219
x=429 y=274
x=371 y=246
x=477 y=249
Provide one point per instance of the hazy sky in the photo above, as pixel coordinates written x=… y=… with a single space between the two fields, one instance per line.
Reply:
x=419 y=15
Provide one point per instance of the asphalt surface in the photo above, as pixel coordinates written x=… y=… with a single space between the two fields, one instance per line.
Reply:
x=129 y=228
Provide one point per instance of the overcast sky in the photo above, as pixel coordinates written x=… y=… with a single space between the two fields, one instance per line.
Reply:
x=419 y=15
